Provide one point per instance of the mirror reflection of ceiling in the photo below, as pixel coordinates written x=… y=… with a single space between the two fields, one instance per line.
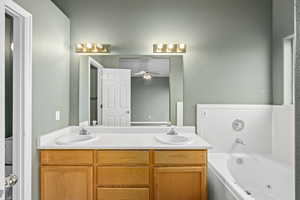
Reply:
x=157 y=67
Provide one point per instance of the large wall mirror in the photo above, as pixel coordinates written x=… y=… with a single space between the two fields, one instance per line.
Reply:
x=135 y=90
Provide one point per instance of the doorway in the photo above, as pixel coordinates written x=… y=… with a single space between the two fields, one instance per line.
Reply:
x=94 y=118
x=8 y=101
x=15 y=101
x=94 y=92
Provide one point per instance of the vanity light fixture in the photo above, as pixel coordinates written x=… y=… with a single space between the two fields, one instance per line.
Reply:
x=92 y=48
x=169 y=48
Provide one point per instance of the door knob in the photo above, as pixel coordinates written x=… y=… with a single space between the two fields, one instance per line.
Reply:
x=127 y=112
x=11 y=180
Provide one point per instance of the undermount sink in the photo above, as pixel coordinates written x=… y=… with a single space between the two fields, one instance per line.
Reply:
x=74 y=139
x=174 y=139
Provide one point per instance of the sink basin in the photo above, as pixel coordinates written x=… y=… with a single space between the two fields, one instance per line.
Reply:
x=74 y=139
x=174 y=139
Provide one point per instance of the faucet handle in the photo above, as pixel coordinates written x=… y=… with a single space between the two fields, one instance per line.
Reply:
x=240 y=141
x=172 y=131
x=83 y=131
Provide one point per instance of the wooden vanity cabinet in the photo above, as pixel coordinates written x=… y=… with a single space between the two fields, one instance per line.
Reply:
x=123 y=174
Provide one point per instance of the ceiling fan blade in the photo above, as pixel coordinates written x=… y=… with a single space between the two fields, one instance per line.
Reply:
x=140 y=73
x=154 y=73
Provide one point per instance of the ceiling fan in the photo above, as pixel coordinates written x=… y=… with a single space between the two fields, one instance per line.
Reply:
x=145 y=74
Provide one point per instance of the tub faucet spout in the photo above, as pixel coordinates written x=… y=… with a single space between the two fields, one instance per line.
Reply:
x=83 y=131
x=240 y=141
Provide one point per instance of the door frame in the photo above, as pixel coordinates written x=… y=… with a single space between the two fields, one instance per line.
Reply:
x=94 y=63
x=289 y=73
x=22 y=103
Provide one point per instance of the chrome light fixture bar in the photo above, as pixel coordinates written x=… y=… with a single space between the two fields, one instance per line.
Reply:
x=92 y=48
x=169 y=48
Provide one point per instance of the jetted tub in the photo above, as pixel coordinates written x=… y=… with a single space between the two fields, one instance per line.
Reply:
x=249 y=177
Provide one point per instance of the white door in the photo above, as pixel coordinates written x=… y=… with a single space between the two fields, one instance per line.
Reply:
x=116 y=89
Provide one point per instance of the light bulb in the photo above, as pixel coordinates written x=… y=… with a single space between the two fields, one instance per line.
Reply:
x=170 y=46
x=160 y=46
x=89 y=45
x=100 y=46
x=181 y=46
x=79 y=46
x=147 y=76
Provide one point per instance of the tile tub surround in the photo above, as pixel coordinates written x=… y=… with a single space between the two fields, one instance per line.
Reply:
x=257 y=131
x=122 y=138
x=269 y=129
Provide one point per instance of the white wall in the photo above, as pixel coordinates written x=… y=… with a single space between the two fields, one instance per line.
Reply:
x=283 y=134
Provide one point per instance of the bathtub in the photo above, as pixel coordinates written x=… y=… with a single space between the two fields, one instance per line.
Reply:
x=249 y=177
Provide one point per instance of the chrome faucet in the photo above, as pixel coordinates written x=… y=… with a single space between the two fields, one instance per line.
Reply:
x=83 y=131
x=240 y=141
x=172 y=131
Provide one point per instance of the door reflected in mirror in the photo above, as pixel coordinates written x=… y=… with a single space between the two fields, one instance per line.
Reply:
x=142 y=90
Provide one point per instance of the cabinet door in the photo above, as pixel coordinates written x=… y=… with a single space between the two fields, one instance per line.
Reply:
x=178 y=183
x=66 y=183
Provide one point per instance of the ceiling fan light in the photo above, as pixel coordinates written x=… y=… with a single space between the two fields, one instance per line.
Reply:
x=147 y=76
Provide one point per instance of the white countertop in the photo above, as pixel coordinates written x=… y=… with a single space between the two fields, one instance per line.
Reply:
x=114 y=140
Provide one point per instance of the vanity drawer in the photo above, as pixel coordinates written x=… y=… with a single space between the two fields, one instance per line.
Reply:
x=180 y=157
x=122 y=194
x=123 y=157
x=116 y=176
x=66 y=157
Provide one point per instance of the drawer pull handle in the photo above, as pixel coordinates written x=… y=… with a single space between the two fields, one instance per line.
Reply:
x=123 y=158
x=178 y=156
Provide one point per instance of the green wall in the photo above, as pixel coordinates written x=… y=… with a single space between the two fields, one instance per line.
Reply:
x=150 y=99
x=228 y=59
x=176 y=85
x=50 y=84
x=83 y=89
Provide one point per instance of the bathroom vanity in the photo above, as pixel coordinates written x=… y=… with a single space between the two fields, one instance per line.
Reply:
x=123 y=167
